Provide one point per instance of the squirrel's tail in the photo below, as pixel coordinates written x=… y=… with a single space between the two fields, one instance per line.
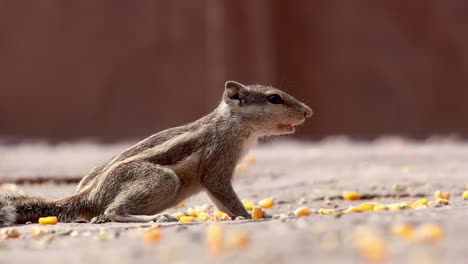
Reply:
x=19 y=209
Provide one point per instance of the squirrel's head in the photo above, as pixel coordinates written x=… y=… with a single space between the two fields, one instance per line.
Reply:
x=267 y=110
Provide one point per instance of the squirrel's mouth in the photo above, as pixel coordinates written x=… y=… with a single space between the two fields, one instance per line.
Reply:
x=289 y=127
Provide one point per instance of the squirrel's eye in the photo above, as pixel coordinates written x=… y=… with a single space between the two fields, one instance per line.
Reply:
x=275 y=99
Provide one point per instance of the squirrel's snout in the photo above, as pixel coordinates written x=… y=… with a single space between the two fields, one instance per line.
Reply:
x=307 y=112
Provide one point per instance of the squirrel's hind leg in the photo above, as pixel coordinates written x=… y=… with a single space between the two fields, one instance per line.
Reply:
x=150 y=190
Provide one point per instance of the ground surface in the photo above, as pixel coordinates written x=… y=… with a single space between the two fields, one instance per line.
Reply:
x=295 y=174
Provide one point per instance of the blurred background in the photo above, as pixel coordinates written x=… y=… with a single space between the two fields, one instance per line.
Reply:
x=117 y=70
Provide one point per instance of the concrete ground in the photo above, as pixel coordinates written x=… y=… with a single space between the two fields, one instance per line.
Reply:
x=295 y=174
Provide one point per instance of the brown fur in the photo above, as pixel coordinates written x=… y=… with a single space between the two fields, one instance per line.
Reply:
x=172 y=165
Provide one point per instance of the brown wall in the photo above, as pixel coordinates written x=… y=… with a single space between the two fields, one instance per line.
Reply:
x=119 y=69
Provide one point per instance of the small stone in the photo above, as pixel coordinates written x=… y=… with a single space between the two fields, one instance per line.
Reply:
x=399 y=188
x=302 y=201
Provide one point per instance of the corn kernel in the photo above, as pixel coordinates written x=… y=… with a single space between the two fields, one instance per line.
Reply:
x=406 y=204
x=394 y=207
x=38 y=231
x=248 y=204
x=351 y=196
x=51 y=220
x=302 y=211
x=266 y=203
x=204 y=208
x=178 y=215
x=181 y=204
x=192 y=212
x=10 y=232
x=257 y=213
x=186 y=219
x=379 y=207
x=324 y=211
x=430 y=232
x=442 y=195
x=371 y=245
x=204 y=216
x=352 y=209
x=214 y=239
x=465 y=195
x=419 y=203
x=405 y=231
x=152 y=235
x=366 y=206
x=220 y=216
x=250 y=159
x=239 y=239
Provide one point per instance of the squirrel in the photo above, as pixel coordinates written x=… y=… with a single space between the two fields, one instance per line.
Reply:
x=172 y=165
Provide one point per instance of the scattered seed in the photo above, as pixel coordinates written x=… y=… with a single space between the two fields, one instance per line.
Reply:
x=257 y=213
x=351 y=196
x=442 y=195
x=186 y=219
x=152 y=236
x=266 y=203
x=38 y=231
x=248 y=204
x=50 y=220
x=10 y=232
x=302 y=211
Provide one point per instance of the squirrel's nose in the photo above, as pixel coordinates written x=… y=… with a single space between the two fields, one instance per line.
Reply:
x=308 y=112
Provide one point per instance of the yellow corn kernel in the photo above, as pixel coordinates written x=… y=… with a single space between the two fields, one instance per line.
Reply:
x=325 y=211
x=302 y=211
x=10 y=232
x=239 y=239
x=51 y=220
x=352 y=209
x=181 y=204
x=419 y=203
x=250 y=159
x=186 y=219
x=266 y=203
x=465 y=195
x=220 y=216
x=248 y=204
x=442 y=195
x=192 y=212
x=204 y=216
x=379 y=207
x=214 y=239
x=38 y=231
x=204 y=208
x=430 y=232
x=351 y=196
x=371 y=245
x=366 y=207
x=394 y=207
x=406 y=204
x=152 y=235
x=405 y=231
x=257 y=213
x=178 y=215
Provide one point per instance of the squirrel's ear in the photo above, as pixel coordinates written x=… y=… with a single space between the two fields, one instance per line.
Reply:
x=233 y=93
